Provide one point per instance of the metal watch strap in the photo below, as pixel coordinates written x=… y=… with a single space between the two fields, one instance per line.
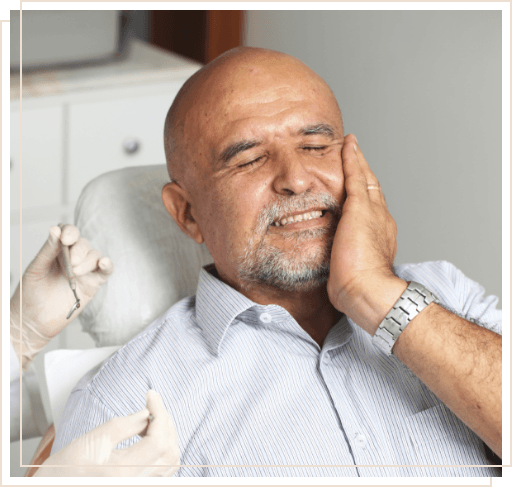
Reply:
x=413 y=300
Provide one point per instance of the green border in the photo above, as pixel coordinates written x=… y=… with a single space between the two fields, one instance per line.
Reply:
x=504 y=7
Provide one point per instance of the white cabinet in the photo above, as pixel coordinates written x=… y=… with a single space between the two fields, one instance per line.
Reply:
x=112 y=134
x=40 y=170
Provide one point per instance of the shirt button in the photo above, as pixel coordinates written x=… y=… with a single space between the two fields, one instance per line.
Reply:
x=265 y=317
x=361 y=441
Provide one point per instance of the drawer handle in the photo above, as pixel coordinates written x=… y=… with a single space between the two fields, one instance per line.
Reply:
x=131 y=145
x=12 y=164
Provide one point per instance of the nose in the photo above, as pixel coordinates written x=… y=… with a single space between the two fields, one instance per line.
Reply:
x=292 y=176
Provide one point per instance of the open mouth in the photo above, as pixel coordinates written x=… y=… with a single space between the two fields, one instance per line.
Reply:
x=300 y=217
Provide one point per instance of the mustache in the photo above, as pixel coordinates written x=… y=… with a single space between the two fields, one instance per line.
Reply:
x=284 y=205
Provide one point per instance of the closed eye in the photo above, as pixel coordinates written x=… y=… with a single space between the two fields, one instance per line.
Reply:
x=316 y=148
x=250 y=163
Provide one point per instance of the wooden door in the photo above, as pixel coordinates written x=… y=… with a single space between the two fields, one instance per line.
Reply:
x=201 y=35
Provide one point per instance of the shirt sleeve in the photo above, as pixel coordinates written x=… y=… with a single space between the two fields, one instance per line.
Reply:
x=82 y=413
x=457 y=292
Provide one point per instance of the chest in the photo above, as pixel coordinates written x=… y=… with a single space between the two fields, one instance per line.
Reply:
x=283 y=408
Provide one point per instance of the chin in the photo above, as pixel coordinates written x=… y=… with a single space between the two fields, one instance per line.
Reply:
x=298 y=280
x=303 y=268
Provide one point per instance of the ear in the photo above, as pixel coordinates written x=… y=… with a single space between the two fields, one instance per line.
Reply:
x=176 y=201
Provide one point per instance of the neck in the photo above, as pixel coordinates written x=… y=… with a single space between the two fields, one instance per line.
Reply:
x=311 y=309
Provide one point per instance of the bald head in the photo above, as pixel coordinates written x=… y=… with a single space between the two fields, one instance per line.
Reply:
x=206 y=96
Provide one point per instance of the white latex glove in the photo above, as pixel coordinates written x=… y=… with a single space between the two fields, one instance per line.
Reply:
x=93 y=454
x=47 y=297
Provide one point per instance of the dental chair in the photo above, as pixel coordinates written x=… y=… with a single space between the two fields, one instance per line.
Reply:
x=121 y=214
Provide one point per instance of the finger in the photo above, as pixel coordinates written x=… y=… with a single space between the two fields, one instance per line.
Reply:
x=48 y=252
x=373 y=186
x=356 y=185
x=79 y=251
x=88 y=264
x=70 y=234
x=160 y=444
x=102 y=267
x=105 y=268
x=120 y=429
x=161 y=423
x=161 y=428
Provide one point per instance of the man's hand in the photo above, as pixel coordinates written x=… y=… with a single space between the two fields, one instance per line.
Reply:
x=361 y=282
x=47 y=297
x=457 y=360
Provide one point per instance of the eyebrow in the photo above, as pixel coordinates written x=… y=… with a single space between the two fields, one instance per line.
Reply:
x=319 y=129
x=234 y=149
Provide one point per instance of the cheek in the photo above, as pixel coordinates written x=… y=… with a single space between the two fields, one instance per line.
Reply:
x=333 y=178
x=229 y=215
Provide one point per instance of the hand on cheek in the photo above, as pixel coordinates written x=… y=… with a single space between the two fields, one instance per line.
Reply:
x=361 y=280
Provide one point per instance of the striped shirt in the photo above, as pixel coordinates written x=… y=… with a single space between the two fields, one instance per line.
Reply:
x=252 y=394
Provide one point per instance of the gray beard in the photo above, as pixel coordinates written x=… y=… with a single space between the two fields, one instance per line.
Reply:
x=294 y=269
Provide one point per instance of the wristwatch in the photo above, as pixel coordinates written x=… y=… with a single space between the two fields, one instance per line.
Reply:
x=413 y=300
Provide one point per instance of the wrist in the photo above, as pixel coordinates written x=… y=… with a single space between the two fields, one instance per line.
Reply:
x=14 y=330
x=371 y=305
x=412 y=302
x=26 y=339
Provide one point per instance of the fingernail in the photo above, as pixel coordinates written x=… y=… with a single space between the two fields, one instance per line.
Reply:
x=355 y=148
x=357 y=142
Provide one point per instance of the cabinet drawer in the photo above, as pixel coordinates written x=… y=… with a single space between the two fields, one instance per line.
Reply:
x=42 y=152
x=112 y=134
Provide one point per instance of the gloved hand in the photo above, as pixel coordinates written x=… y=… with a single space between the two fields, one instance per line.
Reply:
x=93 y=454
x=47 y=297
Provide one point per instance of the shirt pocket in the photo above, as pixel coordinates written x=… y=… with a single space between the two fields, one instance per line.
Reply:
x=438 y=437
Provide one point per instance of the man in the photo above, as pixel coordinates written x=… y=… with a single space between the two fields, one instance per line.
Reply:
x=275 y=367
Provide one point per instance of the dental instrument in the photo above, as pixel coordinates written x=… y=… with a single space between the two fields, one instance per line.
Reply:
x=71 y=277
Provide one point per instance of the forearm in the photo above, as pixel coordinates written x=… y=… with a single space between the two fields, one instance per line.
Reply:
x=461 y=363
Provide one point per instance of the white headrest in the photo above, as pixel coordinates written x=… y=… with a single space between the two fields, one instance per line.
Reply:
x=121 y=214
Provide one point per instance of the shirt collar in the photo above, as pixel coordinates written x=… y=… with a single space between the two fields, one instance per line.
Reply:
x=217 y=305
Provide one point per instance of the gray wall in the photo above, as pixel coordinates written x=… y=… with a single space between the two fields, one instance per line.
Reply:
x=421 y=90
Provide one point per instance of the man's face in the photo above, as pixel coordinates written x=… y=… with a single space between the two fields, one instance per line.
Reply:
x=268 y=176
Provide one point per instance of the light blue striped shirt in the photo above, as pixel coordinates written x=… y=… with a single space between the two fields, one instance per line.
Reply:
x=253 y=394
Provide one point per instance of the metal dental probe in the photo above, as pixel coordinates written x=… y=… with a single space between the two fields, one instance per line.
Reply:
x=69 y=274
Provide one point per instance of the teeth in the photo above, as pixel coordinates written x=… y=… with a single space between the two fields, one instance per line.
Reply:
x=298 y=218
